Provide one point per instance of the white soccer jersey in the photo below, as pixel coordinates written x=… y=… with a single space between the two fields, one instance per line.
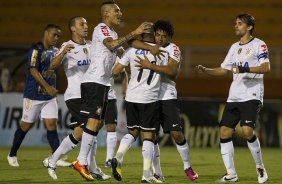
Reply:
x=103 y=59
x=246 y=86
x=144 y=85
x=75 y=63
x=168 y=86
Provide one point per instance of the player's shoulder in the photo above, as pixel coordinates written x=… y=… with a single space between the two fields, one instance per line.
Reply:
x=258 y=41
x=171 y=47
x=37 y=46
x=88 y=42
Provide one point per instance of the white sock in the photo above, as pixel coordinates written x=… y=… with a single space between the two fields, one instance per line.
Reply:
x=147 y=152
x=124 y=146
x=227 y=154
x=111 y=144
x=256 y=152
x=86 y=145
x=183 y=151
x=156 y=160
x=65 y=146
x=91 y=156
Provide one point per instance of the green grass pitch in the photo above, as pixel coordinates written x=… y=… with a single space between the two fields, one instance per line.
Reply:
x=206 y=161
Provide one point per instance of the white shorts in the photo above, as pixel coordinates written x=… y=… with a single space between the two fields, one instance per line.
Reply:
x=34 y=109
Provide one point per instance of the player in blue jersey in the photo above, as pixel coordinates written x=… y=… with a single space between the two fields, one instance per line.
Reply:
x=39 y=93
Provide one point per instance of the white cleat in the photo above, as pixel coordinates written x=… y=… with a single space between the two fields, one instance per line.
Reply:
x=99 y=175
x=13 y=161
x=228 y=178
x=51 y=168
x=262 y=175
x=63 y=163
x=150 y=180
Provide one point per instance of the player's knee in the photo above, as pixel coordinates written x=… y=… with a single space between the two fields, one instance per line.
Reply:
x=177 y=136
x=248 y=133
x=225 y=132
x=111 y=127
x=25 y=126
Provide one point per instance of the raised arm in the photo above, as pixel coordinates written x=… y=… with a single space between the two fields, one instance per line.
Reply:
x=218 y=71
x=57 y=60
x=112 y=44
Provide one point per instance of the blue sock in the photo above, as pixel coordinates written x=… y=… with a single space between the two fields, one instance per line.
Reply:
x=53 y=139
x=18 y=139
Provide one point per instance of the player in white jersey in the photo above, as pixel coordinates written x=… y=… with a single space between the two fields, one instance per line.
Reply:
x=170 y=113
x=74 y=56
x=248 y=60
x=96 y=81
x=142 y=109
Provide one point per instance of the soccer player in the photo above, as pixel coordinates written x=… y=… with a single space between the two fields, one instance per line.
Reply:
x=75 y=57
x=142 y=108
x=170 y=117
x=248 y=60
x=39 y=93
x=96 y=81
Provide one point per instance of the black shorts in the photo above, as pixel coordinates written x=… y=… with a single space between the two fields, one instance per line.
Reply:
x=94 y=100
x=245 y=112
x=170 y=116
x=143 y=116
x=74 y=106
x=111 y=112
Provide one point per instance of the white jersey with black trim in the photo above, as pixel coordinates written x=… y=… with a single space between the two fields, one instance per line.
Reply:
x=75 y=63
x=168 y=87
x=246 y=86
x=144 y=84
x=103 y=58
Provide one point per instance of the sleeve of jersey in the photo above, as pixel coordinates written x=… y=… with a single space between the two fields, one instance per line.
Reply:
x=227 y=63
x=103 y=32
x=125 y=59
x=33 y=58
x=174 y=53
x=263 y=53
x=60 y=49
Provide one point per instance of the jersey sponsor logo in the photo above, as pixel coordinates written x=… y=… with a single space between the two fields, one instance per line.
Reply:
x=141 y=52
x=176 y=51
x=247 y=121
x=246 y=64
x=105 y=31
x=83 y=62
x=33 y=57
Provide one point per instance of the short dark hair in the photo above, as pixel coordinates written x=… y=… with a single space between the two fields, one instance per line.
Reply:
x=108 y=2
x=165 y=26
x=248 y=19
x=51 y=26
x=72 y=21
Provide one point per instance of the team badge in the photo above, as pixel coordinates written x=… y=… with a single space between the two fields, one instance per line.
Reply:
x=248 y=51
x=99 y=110
x=239 y=51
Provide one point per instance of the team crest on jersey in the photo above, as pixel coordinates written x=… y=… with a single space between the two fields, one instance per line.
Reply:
x=239 y=50
x=99 y=110
x=85 y=50
x=248 y=50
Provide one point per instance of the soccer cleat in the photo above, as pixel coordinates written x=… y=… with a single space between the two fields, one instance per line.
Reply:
x=83 y=170
x=150 y=180
x=51 y=168
x=159 y=177
x=262 y=175
x=13 y=161
x=228 y=178
x=99 y=175
x=108 y=163
x=191 y=174
x=63 y=163
x=116 y=169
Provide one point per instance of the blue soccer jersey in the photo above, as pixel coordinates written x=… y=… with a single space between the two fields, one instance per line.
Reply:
x=39 y=58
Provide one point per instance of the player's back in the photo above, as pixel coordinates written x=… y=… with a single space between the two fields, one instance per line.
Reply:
x=144 y=84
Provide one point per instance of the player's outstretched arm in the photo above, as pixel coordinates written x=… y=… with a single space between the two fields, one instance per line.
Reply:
x=212 y=71
x=57 y=60
x=154 y=49
x=112 y=44
x=262 y=69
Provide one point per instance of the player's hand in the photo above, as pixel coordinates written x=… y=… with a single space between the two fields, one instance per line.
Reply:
x=68 y=48
x=143 y=63
x=145 y=27
x=200 y=69
x=157 y=52
x=50 y=90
